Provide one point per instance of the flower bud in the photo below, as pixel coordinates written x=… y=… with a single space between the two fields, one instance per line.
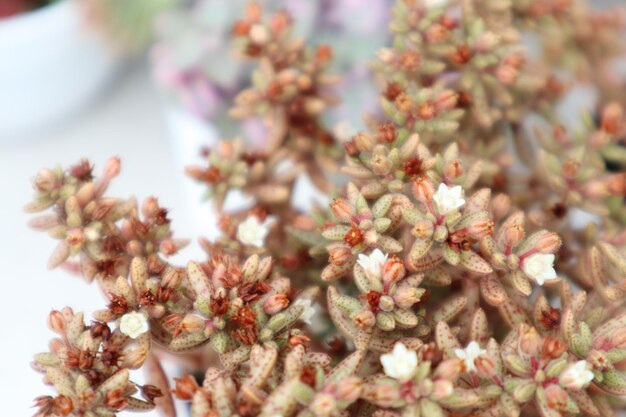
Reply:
x=442 y=389
x=549 y=242
x=323 y=405
x=393 y=270
x=453 y=169
x=275 y=303
x=150 y=207
x=556 y=397
x=618 y=338
x=364 y=319
x=485 y=366
x=613 y=119
x=349 y=389
x=112 y=168
x=449 y=369
x=423 y=190
x=386 y=303
x=339 y=255
x=45 y=181
x=447 y=100
x=406 y=296
x=481 y=228
x=56 y=321
x=342 y=209
x=380 y=164
x=423 y=229
x=530 y=341
x=384 y=395
x=364 y=142
x=173 y=278
x=500 y=205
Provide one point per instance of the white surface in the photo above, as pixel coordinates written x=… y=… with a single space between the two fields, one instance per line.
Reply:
x=50 y=65
x=127 y=122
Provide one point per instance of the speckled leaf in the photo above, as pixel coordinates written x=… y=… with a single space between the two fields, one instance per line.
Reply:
x=428 y=261
x=389 y=244
x=492 y=290
x=438 y=276
x=333 y=272
x=348 y=367
x=198 y=279
x=380 y=208
x=479 y=201
x=520 y=282
x=444 y=338
x=473 y=262
x=450 y=255
x=335 y=232
x=479 y=328
x=448 y=309
x=419 y=248
x=512 y=313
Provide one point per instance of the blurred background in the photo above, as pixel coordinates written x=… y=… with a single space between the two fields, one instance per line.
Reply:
x=146 y=80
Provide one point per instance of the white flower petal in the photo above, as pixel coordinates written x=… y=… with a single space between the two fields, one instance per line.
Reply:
x=133 y=324
x=448 y=199
x=400 y=364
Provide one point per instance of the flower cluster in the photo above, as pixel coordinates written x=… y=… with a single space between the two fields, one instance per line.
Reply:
x=472 y=264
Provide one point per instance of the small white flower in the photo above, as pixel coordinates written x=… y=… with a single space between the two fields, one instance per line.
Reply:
x=540 y=267
x=448 y=199
x=134 y=324
x=400 y=364
x=373 y=263
x=469 y=355
x=576 y=376
x=309 y=310
x=252 y=232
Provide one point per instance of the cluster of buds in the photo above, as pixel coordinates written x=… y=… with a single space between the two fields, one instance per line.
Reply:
x=90 y=366
x=106 y=233
x=387 y=295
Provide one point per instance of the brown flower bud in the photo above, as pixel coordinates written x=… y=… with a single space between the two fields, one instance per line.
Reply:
x=386 y=132
x=186 y=387
x=364 y=142
x=150 y=392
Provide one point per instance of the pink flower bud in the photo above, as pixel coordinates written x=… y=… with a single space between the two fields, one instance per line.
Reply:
x=449 y=369
x=349 y=389
x=323 y=405
x=275 y=303
x=481 y=228
x=423 y=190
x=56 y=321
x=453 y=169
x=447 y=100
x=423 y=229
x=442 y=389
x=173 y=278
x=500 y=205
x=549 y=242
x=530 y=341
x=380 y=164
x=393 y=270
x=112 y=168
x=342 y=209
x=150 y=207
x=485 y=366
x=46 y=181
x=386 y=303
x=406 y=296
x=339 y=255
x=556 y=397
x=364 y=319
x=364 y=142
x=613 y=119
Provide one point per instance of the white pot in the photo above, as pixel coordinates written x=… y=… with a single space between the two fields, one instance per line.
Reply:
x=50 y=65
